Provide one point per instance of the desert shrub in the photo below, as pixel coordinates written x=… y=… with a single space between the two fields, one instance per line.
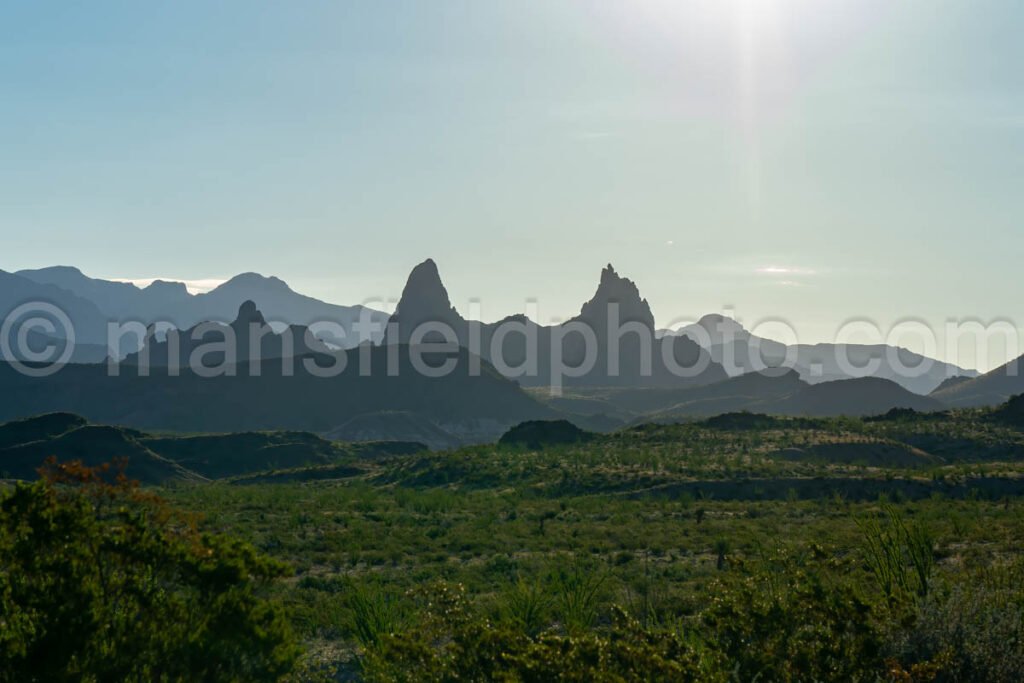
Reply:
x=900 y=555
x=452 y=644
x=101 y=582
x=375 y=613
x=970 y=630
x=793 y=619
x=578 y=592
x=527 y=607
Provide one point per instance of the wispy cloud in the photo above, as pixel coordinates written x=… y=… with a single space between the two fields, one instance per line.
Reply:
x=784 y=270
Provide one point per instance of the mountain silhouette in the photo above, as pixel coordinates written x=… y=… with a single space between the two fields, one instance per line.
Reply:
x=424 y=300
x=471 y=401
x=118 y=301
x=614 y=290
x=519 y=348
x=170 y=302
x=776 y=391
x=618 y=360
x=87 y=321
x=990 y=389
x=859 y=397
x=250 y=338
x=740 y=352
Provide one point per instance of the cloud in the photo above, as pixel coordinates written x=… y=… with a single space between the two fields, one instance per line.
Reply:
x=784 y=270
x=193 y=286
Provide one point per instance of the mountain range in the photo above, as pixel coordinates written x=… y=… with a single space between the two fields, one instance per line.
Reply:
x=317 y=391
x=499 y=377
x=719 y=345
x=741 y=352
x=171 y=302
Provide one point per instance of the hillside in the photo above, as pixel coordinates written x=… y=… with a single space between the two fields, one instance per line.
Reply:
x=298 y=395
x=159 y=459
x=990 y=389
x=68 y=438
x=216 y=456
x=775 y=392
x=390 y=425
x=855 y=397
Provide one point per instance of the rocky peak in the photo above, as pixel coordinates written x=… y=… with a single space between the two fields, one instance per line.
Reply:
x=615 y=289
x=424 y=295
x=248 y=314
x=424 y=300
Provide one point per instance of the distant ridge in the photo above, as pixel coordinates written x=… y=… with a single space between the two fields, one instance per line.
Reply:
x=89 y=322
x=252 y=339
x=222 y=395
x=772 y=392
x=719 y=345
x=170 y=302
x=739 y=351
x=990 y=389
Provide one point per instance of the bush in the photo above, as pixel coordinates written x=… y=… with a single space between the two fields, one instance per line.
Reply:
x=901 y=556
x=972 y=630
x=792 y=620
x=375 y=614
x=102 y=582
x=527 y=607
x=455 y=646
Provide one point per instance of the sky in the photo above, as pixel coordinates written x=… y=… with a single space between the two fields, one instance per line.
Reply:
x=810 y=161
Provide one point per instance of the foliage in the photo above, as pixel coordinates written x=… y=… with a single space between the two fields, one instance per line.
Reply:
x=102 y=582
x=527 y=607
x=578 y=591
x=509 y=562
x=375 y=614
x=792 y=619
x=901 y=556
x=971 y=630
x=474 y=649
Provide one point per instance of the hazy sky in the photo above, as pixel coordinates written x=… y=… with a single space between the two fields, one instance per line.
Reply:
x=813 y=160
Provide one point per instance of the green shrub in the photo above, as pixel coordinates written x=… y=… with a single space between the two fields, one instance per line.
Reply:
x=971 y=630
x=578 y=591
x=901 y=556
x=792 y=621
x=473 y=649
x=101 y=582
x=527 y=607
x=375 y=614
